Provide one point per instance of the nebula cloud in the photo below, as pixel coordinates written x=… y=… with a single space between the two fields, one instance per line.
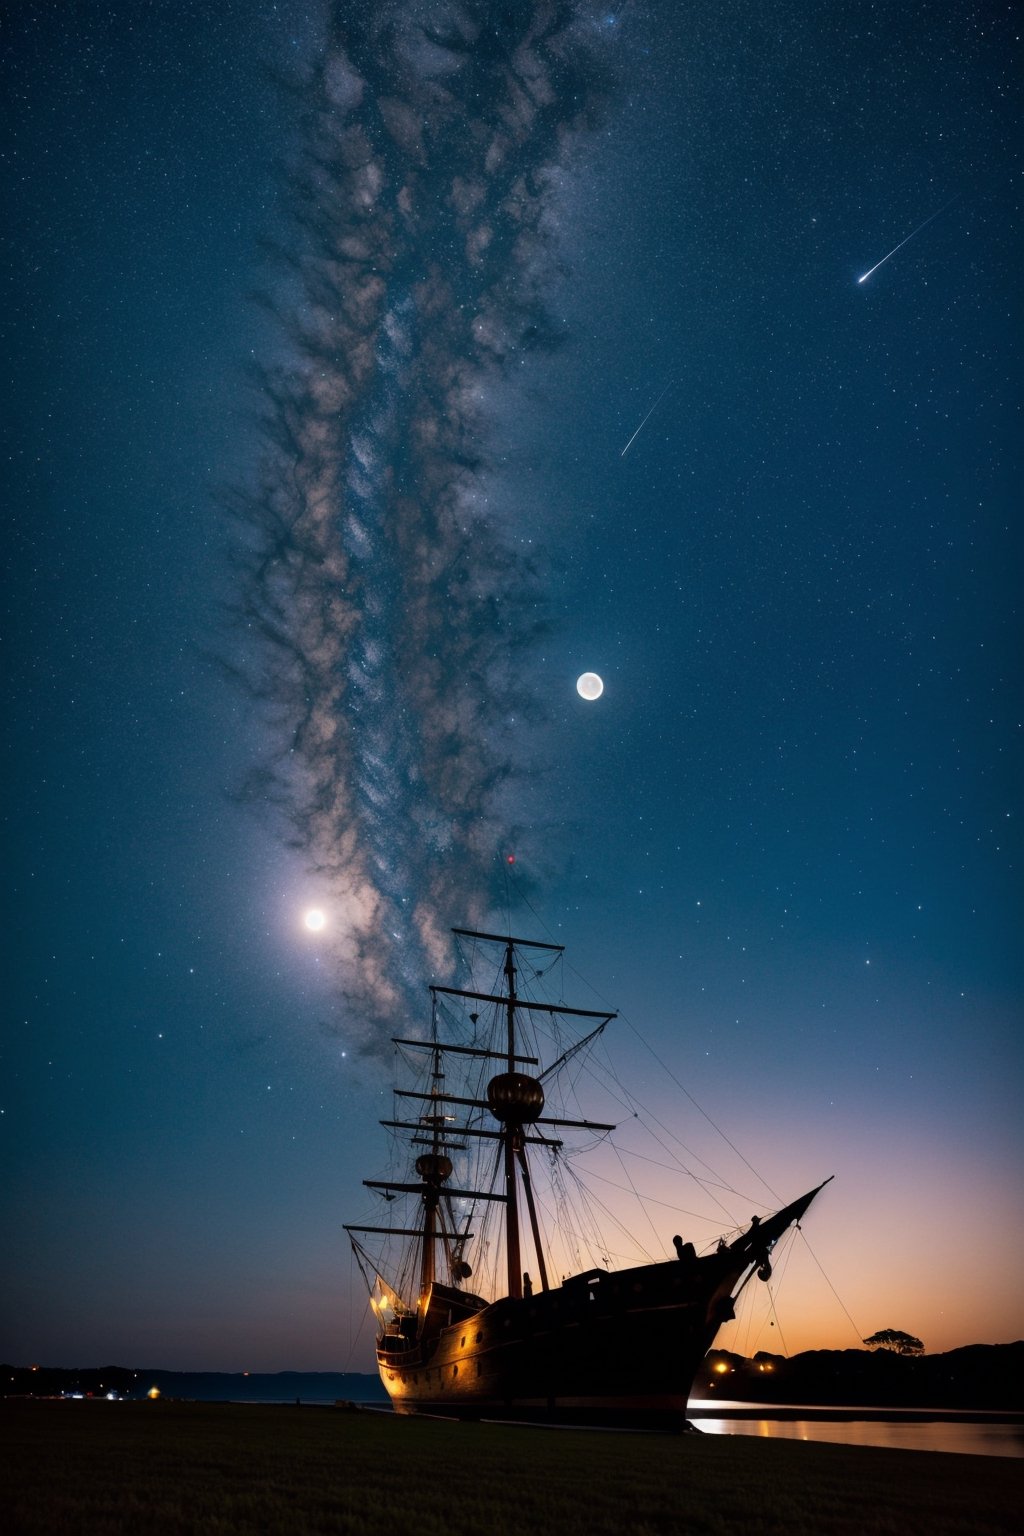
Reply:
x=392 y=606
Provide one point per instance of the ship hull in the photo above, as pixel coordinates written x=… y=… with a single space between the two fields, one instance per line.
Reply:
x=604 y=1348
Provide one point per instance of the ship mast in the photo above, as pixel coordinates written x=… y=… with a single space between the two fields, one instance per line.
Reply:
x=512 y=1249
x=516 y=1101
x=430 y=1169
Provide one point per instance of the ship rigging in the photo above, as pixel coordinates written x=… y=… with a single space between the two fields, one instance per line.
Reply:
x=604 y=1343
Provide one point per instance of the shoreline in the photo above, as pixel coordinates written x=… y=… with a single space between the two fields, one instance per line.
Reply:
x=783 y=1412
x=844 y=1413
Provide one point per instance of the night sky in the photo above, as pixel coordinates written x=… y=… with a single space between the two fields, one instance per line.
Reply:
x=325 y=331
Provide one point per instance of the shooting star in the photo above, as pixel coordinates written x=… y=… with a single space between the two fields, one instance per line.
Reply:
x=910 y=237
x=646 y=419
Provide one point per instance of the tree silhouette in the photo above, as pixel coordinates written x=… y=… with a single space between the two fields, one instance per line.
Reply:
x=895 y=1341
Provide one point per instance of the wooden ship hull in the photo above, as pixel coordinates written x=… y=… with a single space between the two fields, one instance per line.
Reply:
x=603 y=1348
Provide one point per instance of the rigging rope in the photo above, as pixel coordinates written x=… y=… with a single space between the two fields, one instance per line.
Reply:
x=663 y=1065
x=705 y=1184
x=828 y=1282
x=641 y=1202
x=589 y=1196
x=679 y=1210
x=775 y=1315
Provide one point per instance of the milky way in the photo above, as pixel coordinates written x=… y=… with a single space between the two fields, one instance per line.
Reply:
x=396 y=610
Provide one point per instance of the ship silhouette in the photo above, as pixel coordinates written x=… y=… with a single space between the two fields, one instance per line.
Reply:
x=617 y=1346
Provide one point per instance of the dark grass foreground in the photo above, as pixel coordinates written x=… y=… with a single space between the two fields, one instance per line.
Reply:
x=116 y=1469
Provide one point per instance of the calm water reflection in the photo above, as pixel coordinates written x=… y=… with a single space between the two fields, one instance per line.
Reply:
x=963 y=1436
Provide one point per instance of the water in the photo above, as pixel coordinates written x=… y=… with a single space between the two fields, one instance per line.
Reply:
x=966 y=1434
x=962 y=1434
x=969 y=1434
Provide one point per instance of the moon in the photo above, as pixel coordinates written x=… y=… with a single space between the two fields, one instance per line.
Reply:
x=314 y=919
x=589 y=686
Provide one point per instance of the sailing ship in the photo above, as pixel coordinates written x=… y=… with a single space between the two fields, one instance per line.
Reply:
x=603 y=1345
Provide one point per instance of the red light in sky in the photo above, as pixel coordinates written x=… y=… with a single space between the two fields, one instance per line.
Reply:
x=511 y=859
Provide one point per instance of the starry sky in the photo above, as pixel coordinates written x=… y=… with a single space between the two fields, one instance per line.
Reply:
x=324 y=337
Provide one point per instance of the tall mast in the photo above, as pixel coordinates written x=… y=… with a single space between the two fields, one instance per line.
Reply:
x=431 y=1194
x=515 y=1099
x=513 y=1135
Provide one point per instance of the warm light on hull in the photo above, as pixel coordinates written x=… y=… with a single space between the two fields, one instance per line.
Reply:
x=604 y=1348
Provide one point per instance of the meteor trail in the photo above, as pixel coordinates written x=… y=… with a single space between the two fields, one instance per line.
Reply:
x=902 y=243
x=646 y=419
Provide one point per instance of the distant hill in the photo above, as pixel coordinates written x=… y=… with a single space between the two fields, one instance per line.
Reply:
x=199 y=1386
x=978 y=1376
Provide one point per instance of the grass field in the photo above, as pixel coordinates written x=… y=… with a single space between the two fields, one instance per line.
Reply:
x=119 y=1469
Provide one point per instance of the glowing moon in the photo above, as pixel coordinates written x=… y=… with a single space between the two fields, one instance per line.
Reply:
x=589 y=686
x=315 y=919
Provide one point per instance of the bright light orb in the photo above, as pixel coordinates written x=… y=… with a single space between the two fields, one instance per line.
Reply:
x=315 y=919
x=589 y=686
